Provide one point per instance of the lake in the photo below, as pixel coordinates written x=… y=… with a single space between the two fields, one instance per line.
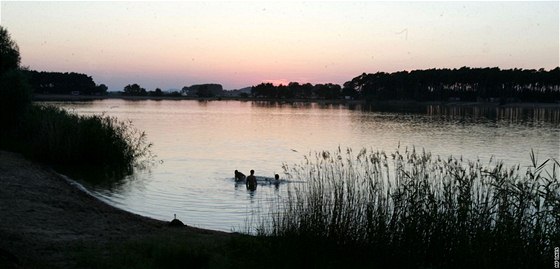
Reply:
x=199 y=144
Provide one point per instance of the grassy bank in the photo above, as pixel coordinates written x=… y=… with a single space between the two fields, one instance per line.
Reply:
x=411 y=209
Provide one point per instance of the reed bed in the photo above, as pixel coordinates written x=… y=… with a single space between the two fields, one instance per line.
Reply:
x=411 y=208
x=55 y=136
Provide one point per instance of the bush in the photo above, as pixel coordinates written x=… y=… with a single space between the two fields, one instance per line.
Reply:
x=57 y=137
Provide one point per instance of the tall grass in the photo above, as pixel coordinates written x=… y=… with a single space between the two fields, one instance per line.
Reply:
x=57 y=137
x=414 y=209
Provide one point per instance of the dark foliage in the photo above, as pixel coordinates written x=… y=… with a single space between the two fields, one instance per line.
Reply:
x=203 y=90
x=15 y=96
x=15 y=93
x=64 y=83
x=464 y=84
x=9 y=52
x=157 y=92
x=296 y=90
x=54 y=136
x=134 y=90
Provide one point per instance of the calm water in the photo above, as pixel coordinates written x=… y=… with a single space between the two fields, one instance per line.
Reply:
x=200 y=144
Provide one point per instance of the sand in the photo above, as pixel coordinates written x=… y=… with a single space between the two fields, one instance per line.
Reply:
x=43 y=215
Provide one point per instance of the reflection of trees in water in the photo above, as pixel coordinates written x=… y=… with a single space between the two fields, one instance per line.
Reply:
x=475 y=112
x=509 y=114
x=282 y=104
x=513 y=114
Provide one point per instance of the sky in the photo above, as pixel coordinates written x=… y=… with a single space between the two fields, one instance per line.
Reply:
x=169 y=45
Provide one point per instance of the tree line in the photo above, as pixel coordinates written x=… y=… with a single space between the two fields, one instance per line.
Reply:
x=63 y=83
x=463 y=84
x=298 y=91
x=137 y=90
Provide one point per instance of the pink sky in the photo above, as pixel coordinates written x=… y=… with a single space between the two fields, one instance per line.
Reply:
x=238 y=44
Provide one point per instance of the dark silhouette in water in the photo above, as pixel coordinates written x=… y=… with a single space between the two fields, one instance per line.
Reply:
x=251 y=181
x=239 y=176
x=276 y=181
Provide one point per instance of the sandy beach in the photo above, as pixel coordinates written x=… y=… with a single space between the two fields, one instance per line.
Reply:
x=43 y=217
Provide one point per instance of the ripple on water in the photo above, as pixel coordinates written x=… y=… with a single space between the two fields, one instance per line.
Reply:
x=202 y=143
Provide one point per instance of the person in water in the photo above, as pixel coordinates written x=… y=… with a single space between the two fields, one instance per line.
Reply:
x=276 y=181
x=251 y=181
x=239 y=176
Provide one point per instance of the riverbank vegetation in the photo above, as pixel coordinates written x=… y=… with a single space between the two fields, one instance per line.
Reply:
x=407 y=209
x=412 y=209
x=54 y=136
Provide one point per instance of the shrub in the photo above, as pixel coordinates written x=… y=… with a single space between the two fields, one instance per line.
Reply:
x=54 y=136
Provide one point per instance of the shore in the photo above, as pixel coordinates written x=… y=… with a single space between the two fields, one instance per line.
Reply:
x=397 y=103
x=79 y=98
x=44 y=218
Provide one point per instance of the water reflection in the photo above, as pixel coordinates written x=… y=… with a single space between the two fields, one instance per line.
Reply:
x=522 y=113
x=282 y=104
x=508 y=114
x=201 y=143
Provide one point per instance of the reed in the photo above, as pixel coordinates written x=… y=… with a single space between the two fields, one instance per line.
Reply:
x=410 y=208
x=55 y=136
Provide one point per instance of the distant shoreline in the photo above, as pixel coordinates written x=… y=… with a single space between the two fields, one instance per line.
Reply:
x=79 y=98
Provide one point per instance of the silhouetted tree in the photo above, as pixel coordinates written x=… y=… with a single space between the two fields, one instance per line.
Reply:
x=15 y=92
x=63 y=83
x=102 y=89
x=465 y=84
x=9 y=52
x=204 y=91
x=264 y=90
x=156 y=92
x=134 y=90
x=296 y=90
x=327 y=91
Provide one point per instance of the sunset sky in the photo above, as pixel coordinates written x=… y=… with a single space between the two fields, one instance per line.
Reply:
x=239 y=44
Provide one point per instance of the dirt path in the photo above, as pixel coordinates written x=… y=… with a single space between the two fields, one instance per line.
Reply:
x=42 y=215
